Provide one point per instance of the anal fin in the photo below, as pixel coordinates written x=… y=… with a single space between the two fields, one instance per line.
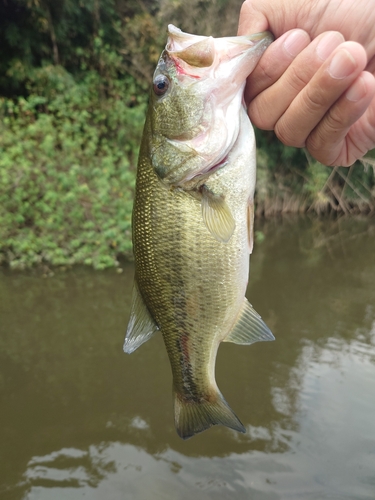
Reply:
x=249 y=327
x=141 y=326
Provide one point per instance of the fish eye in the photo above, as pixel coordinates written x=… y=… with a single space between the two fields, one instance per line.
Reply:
x=161 y=85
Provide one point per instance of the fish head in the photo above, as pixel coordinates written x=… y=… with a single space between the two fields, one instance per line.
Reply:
x=196 y=97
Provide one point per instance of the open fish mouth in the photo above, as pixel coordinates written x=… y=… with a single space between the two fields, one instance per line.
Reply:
x=196 y=53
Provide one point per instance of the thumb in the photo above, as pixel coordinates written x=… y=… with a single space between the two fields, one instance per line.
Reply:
x=251 y=19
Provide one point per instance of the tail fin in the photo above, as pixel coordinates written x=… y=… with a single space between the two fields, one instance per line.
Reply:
x=192 y=417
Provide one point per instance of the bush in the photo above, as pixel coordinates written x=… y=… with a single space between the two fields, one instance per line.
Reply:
x=67 y=170
x=289 y=180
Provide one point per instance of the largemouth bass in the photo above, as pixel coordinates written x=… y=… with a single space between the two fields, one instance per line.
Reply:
x=193 y=218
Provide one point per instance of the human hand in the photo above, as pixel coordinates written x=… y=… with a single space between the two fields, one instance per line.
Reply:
x=315 y=93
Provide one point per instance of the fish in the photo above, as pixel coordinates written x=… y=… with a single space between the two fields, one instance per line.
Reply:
x=192 y=221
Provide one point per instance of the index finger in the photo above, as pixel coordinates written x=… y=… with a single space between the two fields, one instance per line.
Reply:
x=274 y=62
x=251 y=20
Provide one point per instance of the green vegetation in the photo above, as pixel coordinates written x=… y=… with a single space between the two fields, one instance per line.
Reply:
x=67 y=175
x=290 y=181
x=73 y=92
x=68 y=140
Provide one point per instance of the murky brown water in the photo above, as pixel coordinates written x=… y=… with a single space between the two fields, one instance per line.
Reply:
x=80 y=419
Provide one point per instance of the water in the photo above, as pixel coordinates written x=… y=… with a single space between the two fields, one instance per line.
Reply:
x=80 y=419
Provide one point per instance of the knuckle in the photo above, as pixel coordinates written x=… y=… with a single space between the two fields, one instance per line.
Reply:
x=328 y=146
x=335 y=123
x=287 y=135
x=260 y=115
x=314 y=100
x=318 y=143
x=330 y=130
x=266 y=74
x=322 y=154
x=296 y=79
x=314 y=143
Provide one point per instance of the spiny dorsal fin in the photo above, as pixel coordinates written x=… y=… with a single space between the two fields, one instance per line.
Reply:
x=141 y=326
x=249 y=327
x=217 y=216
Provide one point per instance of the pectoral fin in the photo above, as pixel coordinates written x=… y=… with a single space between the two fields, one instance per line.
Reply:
x=217 y=215
x=249 y=327
x=141 y=326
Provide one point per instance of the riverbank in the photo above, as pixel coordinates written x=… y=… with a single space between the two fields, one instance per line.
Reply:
x=82 y=215
x=67 y=176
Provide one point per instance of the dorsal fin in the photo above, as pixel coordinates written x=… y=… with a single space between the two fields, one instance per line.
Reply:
x=141 y=326
x=249 y=327
x=217 y=215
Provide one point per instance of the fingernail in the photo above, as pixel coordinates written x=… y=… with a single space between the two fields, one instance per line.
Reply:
x=342 y=65
x=328 y=44
x=356 y=91
x=296 y=42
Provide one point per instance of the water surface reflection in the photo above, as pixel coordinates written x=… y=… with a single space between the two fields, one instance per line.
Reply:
x=80 y=419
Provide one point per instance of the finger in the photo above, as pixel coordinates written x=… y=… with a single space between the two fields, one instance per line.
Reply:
x=347 y=131
x=267 y=108
x=332 y=79
x=371 y=65
x=277 y=17
x=251 y=20
x=275 y=61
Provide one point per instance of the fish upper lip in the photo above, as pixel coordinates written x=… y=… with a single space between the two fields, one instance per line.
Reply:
x=175 y=32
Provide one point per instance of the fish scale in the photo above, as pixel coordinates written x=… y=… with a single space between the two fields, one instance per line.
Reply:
x=191 y=246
